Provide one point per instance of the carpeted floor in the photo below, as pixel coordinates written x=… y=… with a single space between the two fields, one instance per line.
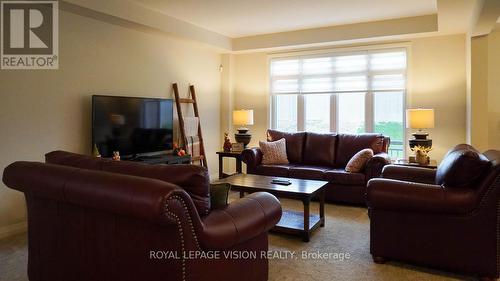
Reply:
x=346 y=232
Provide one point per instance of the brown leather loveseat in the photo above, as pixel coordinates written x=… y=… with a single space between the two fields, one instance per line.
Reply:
x=96 y=219
x=448 y=219
x=324 y=157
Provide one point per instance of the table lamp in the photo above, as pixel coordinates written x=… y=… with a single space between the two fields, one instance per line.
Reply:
x=243 y=118
x=419 y=118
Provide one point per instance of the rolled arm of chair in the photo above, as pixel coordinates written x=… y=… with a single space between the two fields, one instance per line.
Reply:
x=240 y=221
x=375 y=165
x=407 y=173
x=252 y=157
x=401 y=196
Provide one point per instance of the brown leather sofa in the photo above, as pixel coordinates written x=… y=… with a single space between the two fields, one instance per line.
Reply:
x=324 y=157
x=95 y=219
x=446 y=218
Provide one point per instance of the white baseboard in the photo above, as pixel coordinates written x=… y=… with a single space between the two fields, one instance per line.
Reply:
x=13 y=229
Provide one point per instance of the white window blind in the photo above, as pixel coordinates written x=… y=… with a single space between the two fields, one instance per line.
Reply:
x=350 y=92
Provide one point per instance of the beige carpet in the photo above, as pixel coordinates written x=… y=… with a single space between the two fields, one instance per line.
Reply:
x=346 y=231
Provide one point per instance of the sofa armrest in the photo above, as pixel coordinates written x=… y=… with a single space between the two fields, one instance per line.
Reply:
x=252 y=157
x=375 y=165
x=402 y=196
x=240 y=221
x=407 y=173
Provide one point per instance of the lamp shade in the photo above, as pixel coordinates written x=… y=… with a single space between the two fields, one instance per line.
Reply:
x=242 y=117
x=419 y=118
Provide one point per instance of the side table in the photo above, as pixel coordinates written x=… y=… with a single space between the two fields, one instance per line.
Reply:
x=231 y=154
x=404 y=162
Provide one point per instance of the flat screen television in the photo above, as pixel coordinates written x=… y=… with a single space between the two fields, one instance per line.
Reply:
x=131 y=125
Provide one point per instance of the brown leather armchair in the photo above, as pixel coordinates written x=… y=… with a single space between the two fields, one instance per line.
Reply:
x=447 y=219
x=86 y=224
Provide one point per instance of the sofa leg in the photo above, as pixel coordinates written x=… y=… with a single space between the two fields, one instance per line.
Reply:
x=379 y=260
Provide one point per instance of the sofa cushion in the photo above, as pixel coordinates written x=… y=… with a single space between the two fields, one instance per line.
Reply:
x=308 y=172
x=193 y=179
x=294 y=143
x=341 y=176
x=350 y=144
x=273 y=152
x=461 y=167
x=319 y=149
x=273 y=170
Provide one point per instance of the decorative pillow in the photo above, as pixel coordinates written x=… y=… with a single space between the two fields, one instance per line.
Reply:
x=273 y=152
x=218 y=195
x=350 y=144
x=358 y=161
x=461 y=167
x=294 y=143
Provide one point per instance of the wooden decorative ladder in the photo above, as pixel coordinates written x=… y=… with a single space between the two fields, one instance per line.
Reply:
x=178 y=101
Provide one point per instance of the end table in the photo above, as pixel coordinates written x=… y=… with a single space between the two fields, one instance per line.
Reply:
x=231 y=154
x=404 y=162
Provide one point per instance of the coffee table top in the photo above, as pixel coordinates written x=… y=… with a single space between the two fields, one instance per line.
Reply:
x=252 y=183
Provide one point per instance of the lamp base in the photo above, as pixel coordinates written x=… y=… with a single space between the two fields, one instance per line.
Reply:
x=242 y=130
x=420 y=139
x=243 y=137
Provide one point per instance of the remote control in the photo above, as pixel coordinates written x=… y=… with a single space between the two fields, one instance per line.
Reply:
x=282 y=182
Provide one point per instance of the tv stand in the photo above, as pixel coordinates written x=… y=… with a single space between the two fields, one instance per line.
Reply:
x=161 y=159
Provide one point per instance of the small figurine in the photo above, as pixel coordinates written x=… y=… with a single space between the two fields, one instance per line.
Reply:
x=178 y=150
x=95 y=151
x=227 y=142
x=116 y=156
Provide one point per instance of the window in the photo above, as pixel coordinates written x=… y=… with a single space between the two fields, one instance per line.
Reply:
x=347 y=93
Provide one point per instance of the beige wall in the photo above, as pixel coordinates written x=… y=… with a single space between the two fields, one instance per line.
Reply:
x=494 y=90
x=485 y=97
x=44 y=110
x=437 y=79
x=251 y=91
x=479 y=93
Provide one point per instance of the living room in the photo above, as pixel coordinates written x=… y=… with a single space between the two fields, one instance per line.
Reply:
x=418 y=78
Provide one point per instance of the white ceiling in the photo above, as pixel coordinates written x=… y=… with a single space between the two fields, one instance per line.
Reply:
x=238 y=18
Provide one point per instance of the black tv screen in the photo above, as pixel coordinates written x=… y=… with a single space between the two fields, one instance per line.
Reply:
x=131 y=125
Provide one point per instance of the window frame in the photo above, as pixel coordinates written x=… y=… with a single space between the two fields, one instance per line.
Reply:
x=369 y=93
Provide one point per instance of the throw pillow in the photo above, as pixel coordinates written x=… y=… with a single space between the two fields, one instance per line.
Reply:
x=219 y=194
x=359 y=160
x=294 y=143
x=273 y=152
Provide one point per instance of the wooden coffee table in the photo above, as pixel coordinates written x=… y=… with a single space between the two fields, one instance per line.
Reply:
x=292 y=222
